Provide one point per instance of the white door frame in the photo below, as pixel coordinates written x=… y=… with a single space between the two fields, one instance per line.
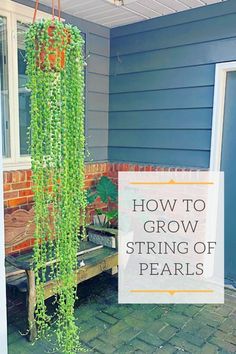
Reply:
x=218 y=113
x=3 y=321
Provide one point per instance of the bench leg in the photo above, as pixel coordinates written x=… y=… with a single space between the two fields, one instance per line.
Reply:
x=31 y=305
x=113 y=270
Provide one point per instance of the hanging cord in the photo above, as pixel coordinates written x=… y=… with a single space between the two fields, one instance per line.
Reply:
x=35 y=10
x=59 y=10
x=53 y=10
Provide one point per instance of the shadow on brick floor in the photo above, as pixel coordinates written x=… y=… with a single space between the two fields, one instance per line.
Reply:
x=107 y=327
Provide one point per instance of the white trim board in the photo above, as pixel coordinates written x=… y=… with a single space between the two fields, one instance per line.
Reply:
x=218 y=113
x=3 y=322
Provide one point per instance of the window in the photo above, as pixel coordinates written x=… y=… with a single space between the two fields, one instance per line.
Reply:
x=14 y=97
x=4 y=99
x=23 y=93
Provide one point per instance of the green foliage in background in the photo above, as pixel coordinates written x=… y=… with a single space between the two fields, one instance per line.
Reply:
x=107 y=191
x=57 y=152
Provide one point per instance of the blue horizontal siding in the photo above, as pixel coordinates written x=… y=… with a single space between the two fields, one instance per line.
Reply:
x=176 y=57
x=163 y=99
x=162 y=119
x=97 y=138
x=96 y=154
x=98 y=64
x=190 y=16
x=97 y=120
x=217 y=28
x=162 y=139
x=164 y=157
x=98 y=82
x=162 y=84
x=97 y=101
x=163 y=79
x=99 y=45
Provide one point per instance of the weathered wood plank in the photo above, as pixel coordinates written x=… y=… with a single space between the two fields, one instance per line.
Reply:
x=85 y=247
x=95 y=263
x=90 y=253
x=31 y=305
x=19 y=227
x=13 y=273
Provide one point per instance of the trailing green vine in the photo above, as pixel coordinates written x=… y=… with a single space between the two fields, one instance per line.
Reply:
x=55 y=69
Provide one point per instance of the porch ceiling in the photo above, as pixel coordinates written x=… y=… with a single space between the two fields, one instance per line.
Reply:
x=105 y=13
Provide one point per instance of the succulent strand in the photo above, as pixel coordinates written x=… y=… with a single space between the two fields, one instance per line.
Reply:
x=55 y=69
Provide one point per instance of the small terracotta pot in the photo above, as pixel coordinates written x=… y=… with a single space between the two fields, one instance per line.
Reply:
x=55 y=52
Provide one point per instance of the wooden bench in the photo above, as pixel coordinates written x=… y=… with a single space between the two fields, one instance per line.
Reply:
x=19 y=228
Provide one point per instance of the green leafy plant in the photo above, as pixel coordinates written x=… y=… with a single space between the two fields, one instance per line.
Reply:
x=107 y=191
x=55 y=69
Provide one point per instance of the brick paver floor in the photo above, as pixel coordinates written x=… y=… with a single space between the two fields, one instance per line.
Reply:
x=107 y=327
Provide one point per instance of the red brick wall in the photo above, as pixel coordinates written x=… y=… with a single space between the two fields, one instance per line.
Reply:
x=17 y=185
x=18 y=192
x=115 y=167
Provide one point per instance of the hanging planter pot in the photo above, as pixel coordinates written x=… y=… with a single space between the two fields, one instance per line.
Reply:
x=51 y=42
x=51 y=55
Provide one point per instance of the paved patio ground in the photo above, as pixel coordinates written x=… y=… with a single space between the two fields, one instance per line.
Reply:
x=107 y=327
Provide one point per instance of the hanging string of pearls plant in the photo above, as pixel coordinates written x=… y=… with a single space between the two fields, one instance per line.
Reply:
x=55 y=69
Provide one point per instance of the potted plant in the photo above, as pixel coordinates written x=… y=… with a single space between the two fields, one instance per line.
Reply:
x=55 y=69
x=52 y=52
x=104 y=229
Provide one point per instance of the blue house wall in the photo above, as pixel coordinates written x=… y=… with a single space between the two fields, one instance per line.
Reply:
x=162 y=85
x=156 y=105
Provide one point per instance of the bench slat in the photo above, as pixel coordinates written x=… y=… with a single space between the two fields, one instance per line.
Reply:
x=96 y=261
x=27 y=258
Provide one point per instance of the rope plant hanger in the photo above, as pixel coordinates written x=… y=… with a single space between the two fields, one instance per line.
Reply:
x=55 y=69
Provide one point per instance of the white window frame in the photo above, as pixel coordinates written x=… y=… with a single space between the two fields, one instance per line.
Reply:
x=14 y=12
x=3 y=323
x=218 y=113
